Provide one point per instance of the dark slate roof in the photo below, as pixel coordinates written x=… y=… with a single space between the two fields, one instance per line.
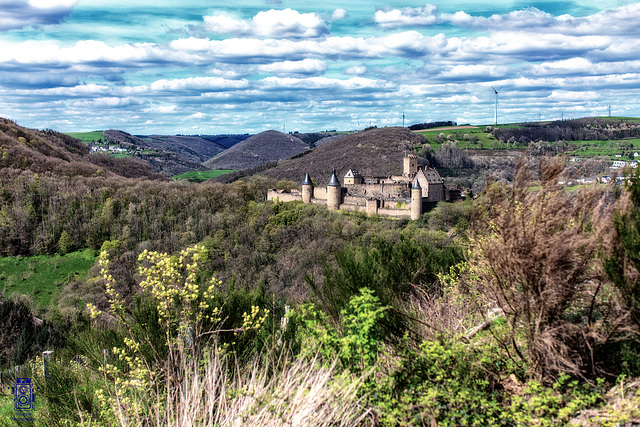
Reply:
x=433 y=177
x=307 y=180
x=416 y=185
x=333 y=182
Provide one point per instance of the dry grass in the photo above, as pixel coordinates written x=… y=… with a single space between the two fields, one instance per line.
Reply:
x=268 y=393
x=454 y=313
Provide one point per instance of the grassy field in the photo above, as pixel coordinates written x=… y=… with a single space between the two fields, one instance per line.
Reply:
x=197 y=176
x=606 y=148
x=478 y=138
x=86 y=137
x=40 y=276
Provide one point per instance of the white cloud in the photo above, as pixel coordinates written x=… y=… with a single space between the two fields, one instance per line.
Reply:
x=162 y=109
x=564 y=96
x=314 y=83
x=475 y=71
x=355 y=70
x=18 y=14
x=286 y=23
x=226 y=25
x=459 y=99
x=204 y=84
x=53 y=4
x=512 y=47
x=338 y=14
x=619 y=21
x=306 y=66
x=407 y=16
x=109 y=102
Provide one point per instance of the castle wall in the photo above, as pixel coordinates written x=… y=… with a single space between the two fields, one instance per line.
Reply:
x=390 y=195
x=279 y=195
x=320 y=193
x=436 y=193
x=397 y=213
x=352 y=208
x=381 y=190
x=354 y=200
x=399 y=178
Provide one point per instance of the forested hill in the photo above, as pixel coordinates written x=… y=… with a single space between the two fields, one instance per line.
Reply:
x=50 y=151
x=164 y=158
x=264 y=147
x=376 y=152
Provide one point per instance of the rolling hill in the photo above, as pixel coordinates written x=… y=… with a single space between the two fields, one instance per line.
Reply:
x=42 y=151
x=167 y=162
x=192 y=148
x=372 y=152
x=264 y=147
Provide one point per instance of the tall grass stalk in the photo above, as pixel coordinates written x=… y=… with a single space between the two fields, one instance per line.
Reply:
x=299 y=392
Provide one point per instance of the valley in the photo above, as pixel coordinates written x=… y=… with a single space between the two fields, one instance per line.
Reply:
x=144 y=264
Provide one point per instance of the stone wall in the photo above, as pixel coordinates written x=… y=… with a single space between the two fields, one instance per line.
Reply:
x=381 y=190
x=398 y=213
x=279 y=195
x=320 y=193
x=436 y=193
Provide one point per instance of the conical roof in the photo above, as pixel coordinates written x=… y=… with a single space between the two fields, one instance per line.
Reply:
x=307 y=180
x=416 y=185
x=333 y=182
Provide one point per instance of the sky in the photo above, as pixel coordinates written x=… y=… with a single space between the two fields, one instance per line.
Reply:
x=245 y=66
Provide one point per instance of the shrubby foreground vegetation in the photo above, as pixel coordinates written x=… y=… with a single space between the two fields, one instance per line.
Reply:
x=521 y=308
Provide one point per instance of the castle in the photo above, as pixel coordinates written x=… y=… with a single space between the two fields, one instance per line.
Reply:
x=406 y=195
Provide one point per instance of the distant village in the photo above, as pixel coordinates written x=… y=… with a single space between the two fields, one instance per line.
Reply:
x=108 y=147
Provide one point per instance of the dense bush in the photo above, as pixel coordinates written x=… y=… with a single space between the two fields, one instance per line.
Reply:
x=533 y=253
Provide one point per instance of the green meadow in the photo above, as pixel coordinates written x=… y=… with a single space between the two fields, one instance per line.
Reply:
x=608 y=148
x=478 y=139
x=199 y=176
x=40 y=276
x=86 y=137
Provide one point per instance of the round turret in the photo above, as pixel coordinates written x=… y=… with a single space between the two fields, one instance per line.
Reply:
x=334 y=192
x=416 y=200
x=307 y=189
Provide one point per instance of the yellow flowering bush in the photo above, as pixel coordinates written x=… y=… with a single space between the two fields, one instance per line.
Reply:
x=183 y=304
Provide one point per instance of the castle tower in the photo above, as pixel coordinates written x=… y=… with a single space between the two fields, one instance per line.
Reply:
x=307 y=189
x=410 y=165
x=334 y=192
x=416 y=200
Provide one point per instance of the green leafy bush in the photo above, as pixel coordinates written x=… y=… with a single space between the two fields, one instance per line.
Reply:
x=443 y=382
x=357 y=342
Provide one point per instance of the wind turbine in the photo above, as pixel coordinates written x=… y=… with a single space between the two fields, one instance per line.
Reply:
x=495 y=121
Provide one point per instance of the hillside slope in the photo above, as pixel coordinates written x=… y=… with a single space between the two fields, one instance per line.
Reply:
x=264 y=147
x=167 y=162
x=372 y=152
x=192 y=148
x=50 y=151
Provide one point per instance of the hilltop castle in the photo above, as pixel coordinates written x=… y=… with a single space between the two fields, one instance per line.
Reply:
x=409 y=194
